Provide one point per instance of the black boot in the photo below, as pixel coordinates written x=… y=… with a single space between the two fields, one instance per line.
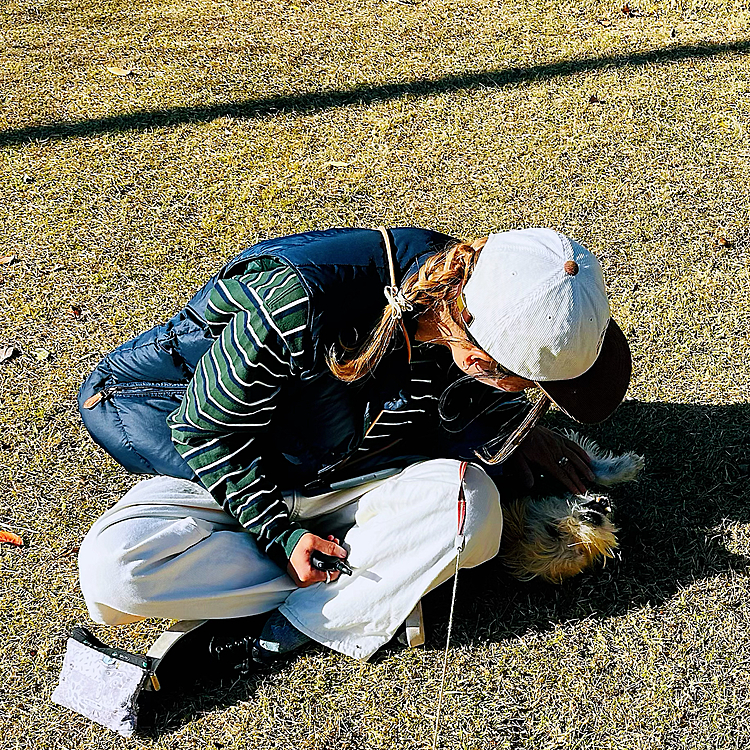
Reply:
x=228 y=648
x=245 y=652
x=187 y=655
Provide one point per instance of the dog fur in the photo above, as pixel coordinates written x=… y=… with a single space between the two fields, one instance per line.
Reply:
x=554 y=538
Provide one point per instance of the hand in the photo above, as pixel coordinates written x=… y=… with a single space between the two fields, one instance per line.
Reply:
x=299 y=566
x=543 y=449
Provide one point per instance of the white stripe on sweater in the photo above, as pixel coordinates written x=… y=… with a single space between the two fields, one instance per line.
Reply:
x=258 y=344
x=248 y=363
x=190 y=452
x=267 y=315
x=249 y=501
x=225 y=389
x=290 y=306
x=207 y=467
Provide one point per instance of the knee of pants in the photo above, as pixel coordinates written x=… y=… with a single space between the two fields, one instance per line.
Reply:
x=484 y=518
x=430 y=491
x=102 y=580
x=124 y=565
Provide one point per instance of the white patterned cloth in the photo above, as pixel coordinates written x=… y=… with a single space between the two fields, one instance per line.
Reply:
x=168 y=550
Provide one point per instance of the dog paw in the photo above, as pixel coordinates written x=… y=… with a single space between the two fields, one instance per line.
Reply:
x=608 y=468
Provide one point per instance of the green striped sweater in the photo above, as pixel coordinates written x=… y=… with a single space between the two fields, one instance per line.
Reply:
x=259 y=321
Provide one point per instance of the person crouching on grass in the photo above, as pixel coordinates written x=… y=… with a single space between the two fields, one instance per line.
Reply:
x=345 y=376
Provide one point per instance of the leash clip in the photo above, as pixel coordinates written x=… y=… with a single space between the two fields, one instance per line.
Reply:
x=460 y=542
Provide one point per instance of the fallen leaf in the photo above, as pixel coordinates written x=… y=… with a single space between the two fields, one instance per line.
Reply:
x=11 y=538
x=6 y=260
x=118 y=71
x=722 y=242
x=594 y=99
x=76 y=311
x=69 y=551
x=41 y=354
x=604 y=22
x=626 y=10
x=7 y=352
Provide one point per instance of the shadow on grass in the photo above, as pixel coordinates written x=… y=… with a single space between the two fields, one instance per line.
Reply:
x=160 y=715
x=696 y=478
x=315 y=101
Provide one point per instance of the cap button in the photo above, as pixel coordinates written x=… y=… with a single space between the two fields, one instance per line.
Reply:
x=571 y=267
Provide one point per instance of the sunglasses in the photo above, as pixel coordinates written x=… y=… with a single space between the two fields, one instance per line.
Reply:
x=497 y=450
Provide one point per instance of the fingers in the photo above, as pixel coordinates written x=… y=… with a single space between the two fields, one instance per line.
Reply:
x=527 y=475
x=559 y=458
x=300 y=566
x=570 y=479
x=575 y=448
x=327 y=547
x=579 y=467
x=572 y=472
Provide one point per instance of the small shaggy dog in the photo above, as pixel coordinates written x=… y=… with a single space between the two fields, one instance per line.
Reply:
x=557 y=537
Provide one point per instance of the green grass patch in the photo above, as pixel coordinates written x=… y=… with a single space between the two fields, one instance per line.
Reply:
x=240 y=121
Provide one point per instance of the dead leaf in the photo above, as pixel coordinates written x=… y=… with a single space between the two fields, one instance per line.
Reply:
x=604 y=22
x=594 y=99
x=118 y=71
x=41 y=354
x=76 y=311
x=8 y=352
x=6 y=260
x=626 y=11
x=722 y=242
x=69 y=551
x=10 y=538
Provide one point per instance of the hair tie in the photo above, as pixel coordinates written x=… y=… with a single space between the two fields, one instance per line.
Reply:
x=397 y=302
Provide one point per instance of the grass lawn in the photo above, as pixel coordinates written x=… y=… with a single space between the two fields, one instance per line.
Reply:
x=627 y=128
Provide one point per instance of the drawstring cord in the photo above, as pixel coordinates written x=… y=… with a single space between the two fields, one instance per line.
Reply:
x=396 y=299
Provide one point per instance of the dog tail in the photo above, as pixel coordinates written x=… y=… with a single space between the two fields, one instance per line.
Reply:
x=608 y=468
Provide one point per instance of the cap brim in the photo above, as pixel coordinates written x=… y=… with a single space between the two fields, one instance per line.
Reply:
x=593 y=396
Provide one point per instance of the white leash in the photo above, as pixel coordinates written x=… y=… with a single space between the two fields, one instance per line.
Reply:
x=460 y=541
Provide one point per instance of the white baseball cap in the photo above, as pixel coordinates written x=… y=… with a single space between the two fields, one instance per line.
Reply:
x=537 y=305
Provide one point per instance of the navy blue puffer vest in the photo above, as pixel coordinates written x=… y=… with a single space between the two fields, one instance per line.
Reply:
x=125 y=401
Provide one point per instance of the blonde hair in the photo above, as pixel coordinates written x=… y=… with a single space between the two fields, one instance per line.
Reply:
x=437 y=283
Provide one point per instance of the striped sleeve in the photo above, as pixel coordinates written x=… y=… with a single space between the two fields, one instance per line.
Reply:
x=259 y=322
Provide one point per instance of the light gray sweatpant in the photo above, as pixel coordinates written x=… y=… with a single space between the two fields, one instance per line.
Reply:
x=168 y=550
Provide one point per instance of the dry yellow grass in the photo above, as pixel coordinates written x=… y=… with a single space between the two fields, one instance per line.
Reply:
x=241 y=120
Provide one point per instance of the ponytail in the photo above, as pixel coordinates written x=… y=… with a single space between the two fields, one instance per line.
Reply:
x=437 y=282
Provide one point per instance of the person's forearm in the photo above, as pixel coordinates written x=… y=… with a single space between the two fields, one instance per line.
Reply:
x=231 y=469
x=222 y=423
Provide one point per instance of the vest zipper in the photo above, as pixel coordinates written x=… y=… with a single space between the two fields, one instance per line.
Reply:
x=135 y=389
